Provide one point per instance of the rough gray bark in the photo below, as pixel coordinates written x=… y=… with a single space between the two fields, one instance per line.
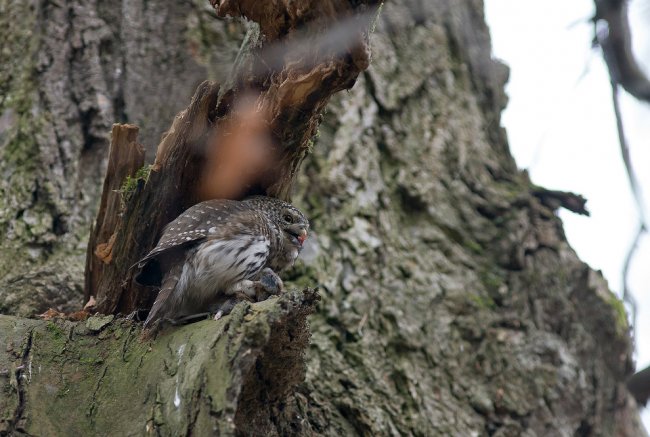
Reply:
x=448 y=286
x=451 y=302
x=69 y=70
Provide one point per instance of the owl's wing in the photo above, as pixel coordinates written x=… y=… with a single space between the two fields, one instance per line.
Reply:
x=210 y=218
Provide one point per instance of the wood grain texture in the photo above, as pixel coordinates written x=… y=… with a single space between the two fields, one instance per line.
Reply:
x=125 y=158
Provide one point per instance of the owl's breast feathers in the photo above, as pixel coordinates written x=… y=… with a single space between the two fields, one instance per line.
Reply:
x=219 y=263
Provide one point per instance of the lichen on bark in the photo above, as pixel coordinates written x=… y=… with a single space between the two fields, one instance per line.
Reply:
x=452 y=304
x=221 y=377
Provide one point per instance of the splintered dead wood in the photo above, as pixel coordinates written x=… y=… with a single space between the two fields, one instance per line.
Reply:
x=247 y=137
x=153 y=201
x=126 y=156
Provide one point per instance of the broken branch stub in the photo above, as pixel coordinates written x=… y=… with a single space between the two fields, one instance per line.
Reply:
x=156 y=198
x=301 y=54
x=125 y=158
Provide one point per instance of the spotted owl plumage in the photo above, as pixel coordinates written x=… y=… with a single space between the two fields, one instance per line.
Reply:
x=208 y=253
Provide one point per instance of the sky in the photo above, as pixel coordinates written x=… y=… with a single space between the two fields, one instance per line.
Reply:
x=561 y=128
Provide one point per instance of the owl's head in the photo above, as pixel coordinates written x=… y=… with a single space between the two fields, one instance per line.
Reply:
x=290 y=220
x=294 y=225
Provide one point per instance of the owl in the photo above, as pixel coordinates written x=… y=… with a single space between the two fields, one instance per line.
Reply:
x=220 y=251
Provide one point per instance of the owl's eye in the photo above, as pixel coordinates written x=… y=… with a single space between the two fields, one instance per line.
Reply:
x=287 y=218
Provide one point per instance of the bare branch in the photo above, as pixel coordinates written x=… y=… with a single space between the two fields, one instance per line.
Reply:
x=616 y=42
x=636 y=192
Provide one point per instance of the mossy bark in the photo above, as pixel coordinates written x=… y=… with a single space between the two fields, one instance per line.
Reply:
x=101 y=377
x=451 y=302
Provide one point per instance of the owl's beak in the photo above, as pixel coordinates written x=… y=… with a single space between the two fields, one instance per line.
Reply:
x=302 y=236
x=299 y=232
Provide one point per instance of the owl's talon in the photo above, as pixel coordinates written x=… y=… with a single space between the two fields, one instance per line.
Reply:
x=225 y=307
x=245 y=295
x=270 y=282
x=136 y=316
x=245 y=289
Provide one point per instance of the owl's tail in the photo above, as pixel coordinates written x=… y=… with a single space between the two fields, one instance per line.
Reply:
x=161 y=307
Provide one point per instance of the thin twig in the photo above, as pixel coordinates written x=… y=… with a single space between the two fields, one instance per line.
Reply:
x=638 y=200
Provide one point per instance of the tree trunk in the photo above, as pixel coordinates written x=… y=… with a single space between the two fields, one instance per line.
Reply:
x=69 y=70
x=451 y=302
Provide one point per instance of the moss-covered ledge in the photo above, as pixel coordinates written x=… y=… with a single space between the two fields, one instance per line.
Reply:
x=100 y=377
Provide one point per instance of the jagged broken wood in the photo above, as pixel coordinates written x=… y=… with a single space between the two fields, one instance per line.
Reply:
x=290 y=96
x=154 y=200
x=125 y=158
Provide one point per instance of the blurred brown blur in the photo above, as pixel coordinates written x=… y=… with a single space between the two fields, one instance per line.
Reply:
x=238 y=154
